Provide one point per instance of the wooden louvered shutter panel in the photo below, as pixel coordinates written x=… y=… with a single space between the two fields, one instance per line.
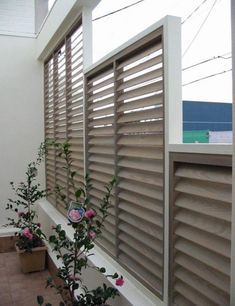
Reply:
x=100 y=125
x=140 y=163
x=202 y=233
x=60 y=120
x=64 y=113
x=74 y=97
x=49 y=125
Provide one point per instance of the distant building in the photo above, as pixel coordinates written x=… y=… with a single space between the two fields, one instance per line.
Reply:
x=210 y=116
x=207 y=122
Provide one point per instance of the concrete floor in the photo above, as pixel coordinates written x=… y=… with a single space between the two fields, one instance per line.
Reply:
x=18 y=289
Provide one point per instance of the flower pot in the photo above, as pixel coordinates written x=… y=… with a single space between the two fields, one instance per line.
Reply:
x=32 y=261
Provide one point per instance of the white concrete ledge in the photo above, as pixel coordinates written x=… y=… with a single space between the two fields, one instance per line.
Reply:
x=133 y=291
x=206 y=148
x=6 y=232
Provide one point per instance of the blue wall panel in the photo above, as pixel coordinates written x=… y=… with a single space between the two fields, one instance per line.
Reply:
x=207 y=116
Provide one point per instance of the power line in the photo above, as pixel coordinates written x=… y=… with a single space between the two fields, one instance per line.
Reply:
x=194 y=11
x=121 y=9
x=208 y=60
x=199 y=30
x=207 y=77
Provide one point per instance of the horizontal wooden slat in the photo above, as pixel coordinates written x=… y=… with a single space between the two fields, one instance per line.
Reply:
x=144 y=102
x=203 y=172
x=143 y=177
x=102 y=84
x=192 y=295
x=140 y=67
x=145 y=226
x=148 y=216
x=101 y=112
x=198 y=268
x=141 y=127
x=139 y=270
x=210 y=292
x=141 y=115
x=148 y=191
x=143 y=239
x=217 y=209
x=144 y=90
x=150 y=204
x=141 y=140
x=207 y=240
x=146 y=263
x=140 y=55
x=101 y=103
x=210 y=258
x=140 y=79
x=141 y=164
x=205 y=189
x=205 y=223
x=141 y=152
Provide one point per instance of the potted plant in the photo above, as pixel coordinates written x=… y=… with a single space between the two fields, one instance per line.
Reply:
x=87 y=224
x=29 y=242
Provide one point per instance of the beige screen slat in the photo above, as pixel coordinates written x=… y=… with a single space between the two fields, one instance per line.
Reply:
x=144 y=102
x=125 y=128
x=198 y=268
x=205 y=189
x=202 y=230
x=192 y=295
x=148 y=165
x=217 y=209
x=138 y=68
x=148 y=216
x=140 y=55
x=205 y=223
x=145 y=226
x=150 y=204
x=141 y=91
x=141 y=79
x=210 y=292
x=152 y=280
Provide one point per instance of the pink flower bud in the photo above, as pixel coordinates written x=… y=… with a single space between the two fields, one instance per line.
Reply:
x=92 y=234
x=21 y=214
x=90 y=213
x=120 y=281
x=27 y=233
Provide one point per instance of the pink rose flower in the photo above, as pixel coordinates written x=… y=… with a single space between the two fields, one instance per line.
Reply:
x=92 y=234
x=90 y=213
x=74 y=215
x=120 y=281
x=27 y=233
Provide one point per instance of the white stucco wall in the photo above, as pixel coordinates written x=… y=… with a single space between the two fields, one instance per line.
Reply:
x=21 y=111
x=17 y=16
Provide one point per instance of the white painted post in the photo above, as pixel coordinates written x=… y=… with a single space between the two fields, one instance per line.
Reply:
x=232 y=291
x=173 y=116
x=87 y=36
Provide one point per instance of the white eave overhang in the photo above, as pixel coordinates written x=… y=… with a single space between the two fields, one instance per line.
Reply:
x=63 y=14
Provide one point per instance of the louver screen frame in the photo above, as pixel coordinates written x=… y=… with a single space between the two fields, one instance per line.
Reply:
x=63 y=111
x=200 y=229
x=124 y=115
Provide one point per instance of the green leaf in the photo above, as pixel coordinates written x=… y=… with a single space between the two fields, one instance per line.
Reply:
x=40 y=300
